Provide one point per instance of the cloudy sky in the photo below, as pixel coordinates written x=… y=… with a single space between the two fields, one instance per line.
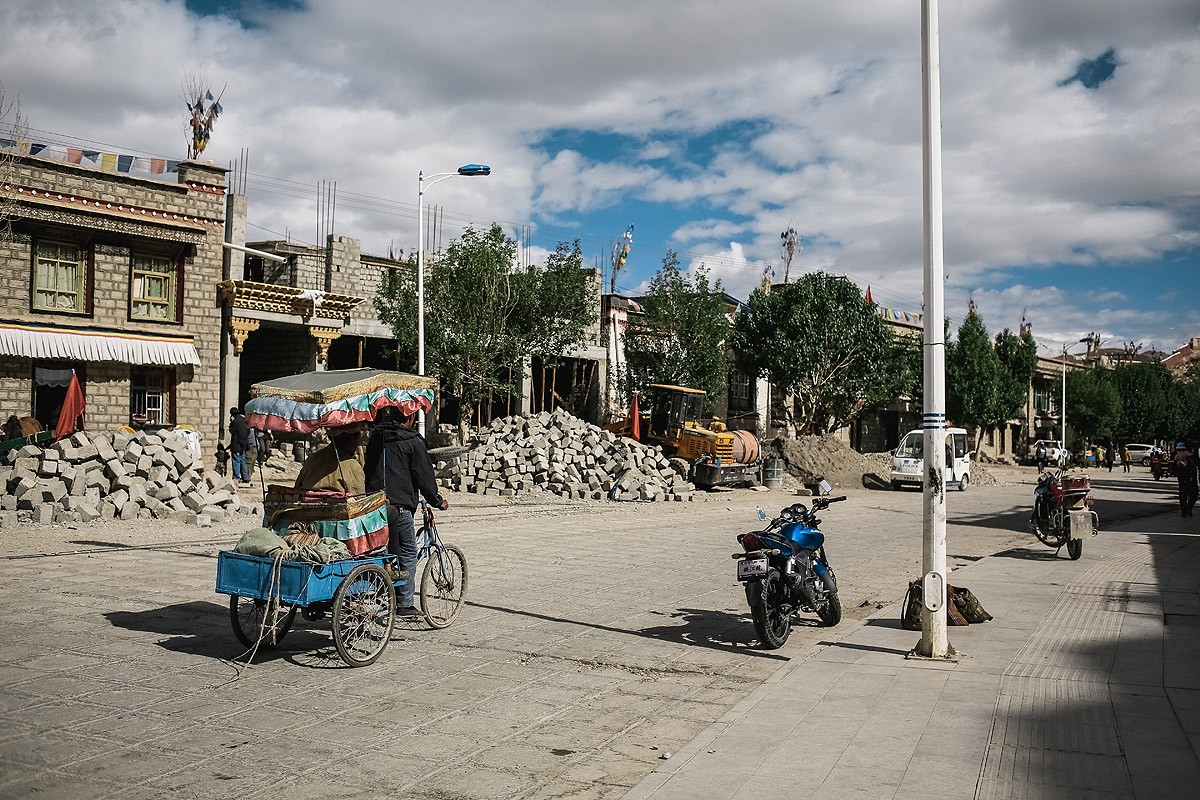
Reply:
x=1071 y=133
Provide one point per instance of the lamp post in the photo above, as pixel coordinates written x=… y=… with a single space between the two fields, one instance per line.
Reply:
x=469 y=171
x=1063 y=449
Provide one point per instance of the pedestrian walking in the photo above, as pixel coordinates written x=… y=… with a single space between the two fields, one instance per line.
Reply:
x=1126 y=457
x=1041 y=457
x=1110 y=456
x=1186 y=465
x=397 y=462
x=251 y=450
x=239 y=441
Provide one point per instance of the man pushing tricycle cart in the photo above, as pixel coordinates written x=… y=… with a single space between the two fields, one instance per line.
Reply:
x=352 y=551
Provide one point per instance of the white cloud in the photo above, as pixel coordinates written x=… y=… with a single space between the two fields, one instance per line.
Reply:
x=367 y=93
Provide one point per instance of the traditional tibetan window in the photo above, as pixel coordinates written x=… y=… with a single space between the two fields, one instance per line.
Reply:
x=154 y=288
x=60 y=277
x=151 y=395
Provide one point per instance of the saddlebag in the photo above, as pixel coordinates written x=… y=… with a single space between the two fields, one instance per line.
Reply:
x=969 y=606
x=962 y=607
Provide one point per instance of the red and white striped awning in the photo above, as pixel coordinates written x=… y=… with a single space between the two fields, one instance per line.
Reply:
x=26 y=340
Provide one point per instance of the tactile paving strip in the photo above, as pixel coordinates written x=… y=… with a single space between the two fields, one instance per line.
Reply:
x=1054 y=732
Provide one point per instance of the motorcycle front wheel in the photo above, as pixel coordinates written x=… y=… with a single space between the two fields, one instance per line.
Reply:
x=1075 y=548
x=1044 y=530
x=770 y=623
x=831 y=611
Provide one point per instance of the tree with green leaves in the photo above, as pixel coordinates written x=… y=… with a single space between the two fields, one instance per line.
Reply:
x=902 y=373
x=1018 y=361
x=483 y=315
x=820 y=343
x=683 y=334
x=974 y=377
x=1093 y=403
x=1144 y=401
x=1183 y=409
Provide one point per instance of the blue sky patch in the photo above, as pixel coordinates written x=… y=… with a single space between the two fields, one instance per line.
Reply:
x=247 y=12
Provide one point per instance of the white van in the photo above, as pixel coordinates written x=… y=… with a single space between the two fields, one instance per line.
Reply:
x=909 y=458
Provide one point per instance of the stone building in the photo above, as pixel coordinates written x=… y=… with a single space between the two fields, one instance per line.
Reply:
x=293 y=307
x=111 y=276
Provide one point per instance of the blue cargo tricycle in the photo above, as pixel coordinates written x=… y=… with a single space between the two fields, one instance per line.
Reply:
x=357 y=593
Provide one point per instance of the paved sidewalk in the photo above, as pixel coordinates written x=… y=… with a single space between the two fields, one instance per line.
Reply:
x=1085 y=685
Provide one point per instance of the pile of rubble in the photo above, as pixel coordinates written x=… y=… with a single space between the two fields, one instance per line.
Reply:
x=564 y=455
x=119 y=476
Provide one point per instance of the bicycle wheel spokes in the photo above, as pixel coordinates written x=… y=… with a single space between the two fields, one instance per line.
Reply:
x=364 y=610
x=259 y=622
x=443 y=585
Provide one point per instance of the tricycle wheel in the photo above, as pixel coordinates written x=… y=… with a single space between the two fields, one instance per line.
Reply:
x=443 y=585
x=253 y=618
x=364 y=610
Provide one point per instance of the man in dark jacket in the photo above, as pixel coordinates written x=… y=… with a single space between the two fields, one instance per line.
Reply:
x=397 y=462
x=1185 y=466
x=239 y=442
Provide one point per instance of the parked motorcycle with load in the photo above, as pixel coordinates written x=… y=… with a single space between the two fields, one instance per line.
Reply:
x=785 y=571
x=1062 y=511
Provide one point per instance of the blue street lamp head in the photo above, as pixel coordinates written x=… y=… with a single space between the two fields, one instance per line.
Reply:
x=471 y=170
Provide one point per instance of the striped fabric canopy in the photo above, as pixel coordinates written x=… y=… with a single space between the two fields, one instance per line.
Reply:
x=334 y=398
x=26 y=340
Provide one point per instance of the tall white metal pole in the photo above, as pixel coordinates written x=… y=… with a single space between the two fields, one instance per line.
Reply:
x=934 y=642
x=421 y=289
x=1063 y=410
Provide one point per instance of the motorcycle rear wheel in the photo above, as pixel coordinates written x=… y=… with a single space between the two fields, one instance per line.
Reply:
x=770 y=623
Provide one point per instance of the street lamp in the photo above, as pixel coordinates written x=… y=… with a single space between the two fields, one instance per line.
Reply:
x=1089 y=339
x=469 y=171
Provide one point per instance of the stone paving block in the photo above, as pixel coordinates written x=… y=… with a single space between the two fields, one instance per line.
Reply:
x=43 y=513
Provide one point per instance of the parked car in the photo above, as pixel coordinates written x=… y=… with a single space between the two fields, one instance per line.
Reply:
x=1140 y=453
x=908 y=460
x=1054 y=451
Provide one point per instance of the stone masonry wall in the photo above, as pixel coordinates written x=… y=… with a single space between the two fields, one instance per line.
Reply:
x=123 y=213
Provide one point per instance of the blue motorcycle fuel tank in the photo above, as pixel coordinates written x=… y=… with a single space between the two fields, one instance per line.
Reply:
x=803 y=537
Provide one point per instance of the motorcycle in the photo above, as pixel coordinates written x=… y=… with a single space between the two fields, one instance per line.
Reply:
x=785 y=571
x=1062 y=511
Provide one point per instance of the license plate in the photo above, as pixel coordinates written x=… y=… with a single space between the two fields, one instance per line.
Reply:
x=751 y=568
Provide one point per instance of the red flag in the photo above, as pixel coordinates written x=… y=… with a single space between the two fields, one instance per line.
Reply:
x=72 y=410
x=869 y=300
x=636 y=419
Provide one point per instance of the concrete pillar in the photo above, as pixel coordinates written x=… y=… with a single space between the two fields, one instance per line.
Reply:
x=235 y=233
x=526 y=387
x=231 y=361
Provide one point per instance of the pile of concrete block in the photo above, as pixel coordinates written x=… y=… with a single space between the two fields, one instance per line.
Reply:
x=84 y=478
x=564 y=455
